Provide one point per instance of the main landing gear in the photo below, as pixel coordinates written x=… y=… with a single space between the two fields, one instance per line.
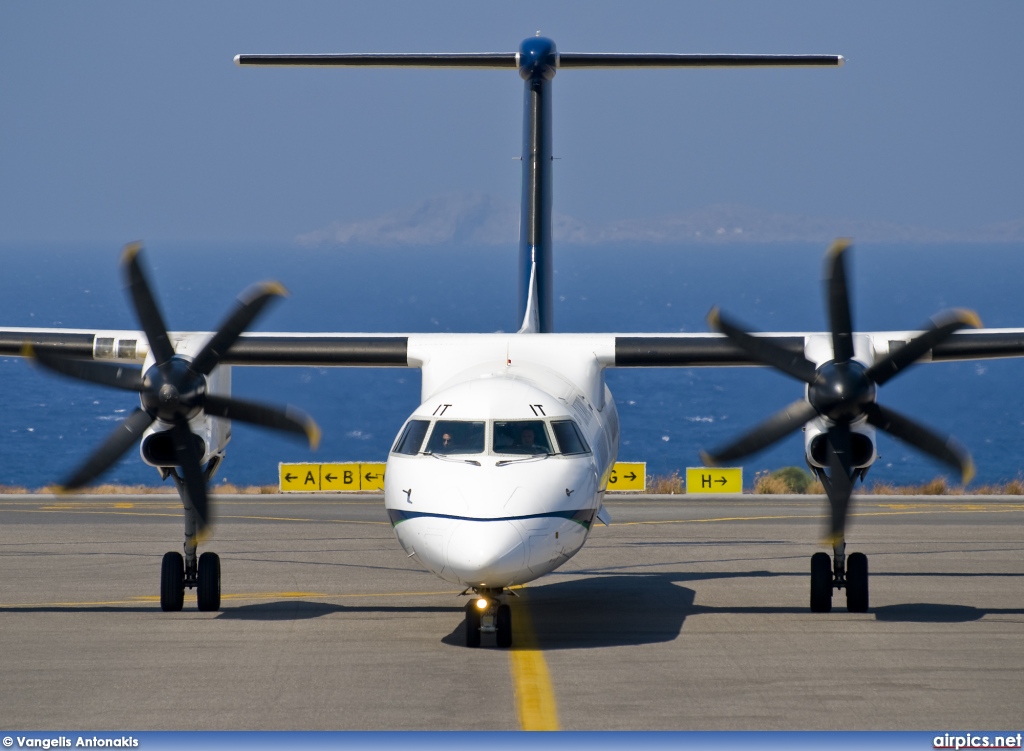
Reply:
x=842 y=572
x=178 y=571
x=486 y=614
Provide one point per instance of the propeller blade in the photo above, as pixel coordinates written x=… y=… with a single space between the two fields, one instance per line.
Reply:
x=250 y=303
x=189 y=460
x=945 y=448
x=762 y=350
x=126 y=434
x=837 y=291
x=941 y=327
x=145 y=305
x=126 y=377
x=288 y=419
x=840 y=480
x=779 y=425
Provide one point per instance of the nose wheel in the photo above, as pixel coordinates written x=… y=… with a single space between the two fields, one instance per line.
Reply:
x=486 y=614
x=176 y=577
x=841 y=572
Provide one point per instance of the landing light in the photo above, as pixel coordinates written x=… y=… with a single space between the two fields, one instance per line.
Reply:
x=481 y=604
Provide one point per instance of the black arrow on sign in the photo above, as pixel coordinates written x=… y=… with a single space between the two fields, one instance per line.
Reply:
x=329 y=478
x=721 y=481
x=369 y=476
x=289 y=477
x=631 y=475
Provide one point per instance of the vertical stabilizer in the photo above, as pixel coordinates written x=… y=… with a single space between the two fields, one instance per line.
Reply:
x=538 y=61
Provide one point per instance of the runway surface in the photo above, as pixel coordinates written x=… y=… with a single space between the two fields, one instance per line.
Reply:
x=687 y=613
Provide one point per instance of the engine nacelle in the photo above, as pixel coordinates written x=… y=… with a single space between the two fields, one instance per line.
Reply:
x=862 y=443
x=211 y=434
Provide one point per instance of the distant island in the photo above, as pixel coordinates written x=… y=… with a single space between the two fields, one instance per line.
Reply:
x=480 y=220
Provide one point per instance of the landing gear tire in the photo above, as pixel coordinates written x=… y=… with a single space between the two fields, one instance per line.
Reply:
x=857 y=583
x=821 y=583
x=208 y=582
x=503 y=624
x=172 y=582
x=472 y=625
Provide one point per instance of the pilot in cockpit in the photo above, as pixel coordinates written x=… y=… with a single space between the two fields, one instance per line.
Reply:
x=528 y=442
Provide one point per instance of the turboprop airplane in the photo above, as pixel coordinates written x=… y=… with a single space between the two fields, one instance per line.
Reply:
x=498 y=477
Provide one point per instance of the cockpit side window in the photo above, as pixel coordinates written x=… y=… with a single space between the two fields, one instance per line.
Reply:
x=456 y=437
x=570 y=440
x=412 y=437
x=521 y=437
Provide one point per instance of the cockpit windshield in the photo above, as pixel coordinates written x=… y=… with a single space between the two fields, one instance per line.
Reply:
x=557 y=437
x=456 y=437
x=570 y=440
x=521 y=437
x=412 y=437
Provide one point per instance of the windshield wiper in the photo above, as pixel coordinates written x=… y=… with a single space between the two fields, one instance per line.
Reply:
x=446 y=458
x=531 y=458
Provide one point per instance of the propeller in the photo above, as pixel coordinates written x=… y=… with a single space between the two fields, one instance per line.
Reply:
x=842 y=391
x=173 y=389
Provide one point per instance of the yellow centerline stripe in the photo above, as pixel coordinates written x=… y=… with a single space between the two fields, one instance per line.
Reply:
x=531 y=681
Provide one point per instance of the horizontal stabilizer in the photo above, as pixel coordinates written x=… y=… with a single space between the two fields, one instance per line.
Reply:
x=656 y=60
x=510 y=60
x=502 y=60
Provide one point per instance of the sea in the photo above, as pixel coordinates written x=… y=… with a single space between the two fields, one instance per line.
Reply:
x=49 y=424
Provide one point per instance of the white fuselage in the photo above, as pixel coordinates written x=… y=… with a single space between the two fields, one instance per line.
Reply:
x=490 y=512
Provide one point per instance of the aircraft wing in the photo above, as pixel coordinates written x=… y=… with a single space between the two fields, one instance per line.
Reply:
x=310 y=349
x=695 y=350
x=636 y=350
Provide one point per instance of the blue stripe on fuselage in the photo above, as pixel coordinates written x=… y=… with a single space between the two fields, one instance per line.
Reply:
x=584 y=516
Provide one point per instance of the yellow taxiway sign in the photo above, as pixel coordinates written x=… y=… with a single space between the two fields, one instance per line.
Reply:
x=717 y=480
x=330 y=478
x=628 y=476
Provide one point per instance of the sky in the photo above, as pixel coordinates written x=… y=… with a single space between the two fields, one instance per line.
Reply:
x=126 y=120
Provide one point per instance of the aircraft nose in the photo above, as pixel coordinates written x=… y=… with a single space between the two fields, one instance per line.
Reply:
x=486 y=553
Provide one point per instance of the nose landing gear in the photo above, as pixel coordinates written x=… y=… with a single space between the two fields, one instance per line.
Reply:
x=486 y=614
x=190 y=571
x=842 y=572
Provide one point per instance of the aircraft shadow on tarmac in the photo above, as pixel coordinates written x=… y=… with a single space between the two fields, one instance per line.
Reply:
x=298 y=610
x=634 y=609
x=600 y=610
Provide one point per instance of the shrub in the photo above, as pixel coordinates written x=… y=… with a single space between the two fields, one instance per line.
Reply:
x=786 y=481
x=796 y=479
x=766 y=483
x=665 y=484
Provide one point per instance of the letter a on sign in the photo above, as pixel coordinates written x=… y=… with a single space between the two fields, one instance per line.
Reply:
x=299 y=478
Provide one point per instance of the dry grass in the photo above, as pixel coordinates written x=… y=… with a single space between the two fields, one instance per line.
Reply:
x=765 y=483
x=227 y=488
x=1011 y=487
x=938 y=486
x=105 y=489
x=665 y=484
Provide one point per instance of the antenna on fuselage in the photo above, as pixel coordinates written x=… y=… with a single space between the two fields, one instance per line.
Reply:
x=537 y=61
